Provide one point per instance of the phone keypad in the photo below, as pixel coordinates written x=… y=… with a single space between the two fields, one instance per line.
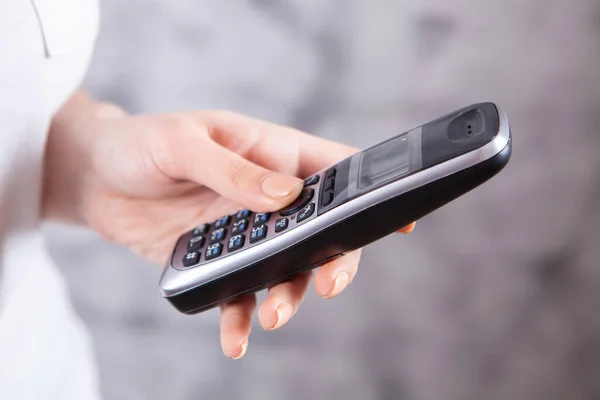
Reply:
x=244 y=228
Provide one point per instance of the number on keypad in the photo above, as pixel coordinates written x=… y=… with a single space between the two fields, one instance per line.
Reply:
x=242 y=214
x=196 y=243
x=235 y=242
x=217 y=235
x=261 y=218
x=213 y=251
x=223 y=221
x=200 y=230
x=258 y=233
x=239 y=226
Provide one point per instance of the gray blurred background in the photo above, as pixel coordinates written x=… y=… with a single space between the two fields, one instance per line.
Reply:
x=493 y=297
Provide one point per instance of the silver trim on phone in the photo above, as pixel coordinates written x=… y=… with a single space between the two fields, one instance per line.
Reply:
x=176 y=281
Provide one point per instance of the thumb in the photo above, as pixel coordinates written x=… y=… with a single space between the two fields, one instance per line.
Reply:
x=236 y=178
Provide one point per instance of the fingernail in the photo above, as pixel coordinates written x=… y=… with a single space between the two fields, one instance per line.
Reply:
x=244 y=346
x=284 y=313
x=279 y=185
x=341 y=281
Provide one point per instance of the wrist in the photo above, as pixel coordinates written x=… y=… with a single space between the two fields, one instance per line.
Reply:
x=67 y=169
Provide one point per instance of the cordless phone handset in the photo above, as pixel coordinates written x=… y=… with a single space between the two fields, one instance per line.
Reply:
x=346 y=206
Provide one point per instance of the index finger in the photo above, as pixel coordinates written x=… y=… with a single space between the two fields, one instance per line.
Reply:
x=272 y=146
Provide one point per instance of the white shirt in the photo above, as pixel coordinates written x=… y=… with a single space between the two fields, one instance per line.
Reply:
x=45 y=351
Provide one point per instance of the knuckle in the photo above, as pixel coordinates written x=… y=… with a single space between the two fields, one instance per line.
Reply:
x=240 y=173
x=179 y=125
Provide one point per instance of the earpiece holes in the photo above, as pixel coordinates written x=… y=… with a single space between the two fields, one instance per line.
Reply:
x=466 y=126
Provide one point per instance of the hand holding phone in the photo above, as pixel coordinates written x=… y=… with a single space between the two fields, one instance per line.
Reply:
x=341 y=208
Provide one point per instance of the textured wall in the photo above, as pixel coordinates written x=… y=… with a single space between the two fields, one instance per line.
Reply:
x=494 y=296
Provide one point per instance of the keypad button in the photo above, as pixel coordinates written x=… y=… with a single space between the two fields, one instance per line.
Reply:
x=330 y=173
x=281 y=224
x=327 y=198
x=213 y=251
x=306 y=196
x=261 y=218
x=328 y=185
x=239 y=226
x=217 y=235
x=200 y=230
x=242 y=214
x=191 y=258
x=311 y=180
x=196 y=243
x=306 y=212
x=258 y=233
x=235 y=242
x=222 y=222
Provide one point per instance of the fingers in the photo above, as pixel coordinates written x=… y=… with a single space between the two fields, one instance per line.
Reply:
x=249 y=184
x=236 y=324
x=195 y=157
x=332 y=278
x=275 y=147
x=283 y=301
x=408 y=228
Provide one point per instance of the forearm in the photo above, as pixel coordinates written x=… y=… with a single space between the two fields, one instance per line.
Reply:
x=66 y=161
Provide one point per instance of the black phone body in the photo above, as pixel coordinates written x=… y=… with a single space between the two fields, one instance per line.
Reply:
x=346 y=206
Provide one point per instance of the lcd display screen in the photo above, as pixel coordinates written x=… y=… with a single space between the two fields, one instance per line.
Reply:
x=384 y=161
